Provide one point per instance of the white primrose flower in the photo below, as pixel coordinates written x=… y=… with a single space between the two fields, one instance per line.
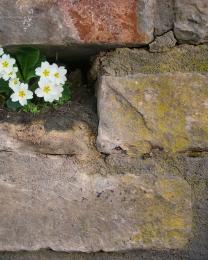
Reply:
x=1 y=51
x=48 y=90
x=10 y=74
x=58 y=74
x=44 y=71
x=59 y=91
x=22 y=94
x=14 y=83
x=6 y=63
x=6 y=74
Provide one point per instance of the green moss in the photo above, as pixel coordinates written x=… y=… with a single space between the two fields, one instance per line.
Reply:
x=185 y=58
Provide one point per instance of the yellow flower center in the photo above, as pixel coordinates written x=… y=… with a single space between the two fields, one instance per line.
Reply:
x=5 y=64
x=57 y=75
x=22 y=94
x=46 y=73
x=15 y=81
x=46 y=89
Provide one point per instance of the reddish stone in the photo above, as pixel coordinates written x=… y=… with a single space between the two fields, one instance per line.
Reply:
x=104 y=21
x=62 y=22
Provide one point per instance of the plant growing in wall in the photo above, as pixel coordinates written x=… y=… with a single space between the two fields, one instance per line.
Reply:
x=28 y=82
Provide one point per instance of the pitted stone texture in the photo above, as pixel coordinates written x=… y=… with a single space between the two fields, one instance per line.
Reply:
x=163 y=43
x=54 y=202
x=143 y=112
x=191 y=21
x=194 y=170
x=50 y=198
x=73 y=22
x=70 y=131
x=32 y=22
x=164 y=16
x=75 y=140
x=122 y=62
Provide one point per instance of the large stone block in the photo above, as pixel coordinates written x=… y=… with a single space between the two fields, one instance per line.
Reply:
x=76 y=140
x=69 y=22
x=194 y=170
x=142 y=112
x=191 y=21
x=124 y=61
x=69 y=204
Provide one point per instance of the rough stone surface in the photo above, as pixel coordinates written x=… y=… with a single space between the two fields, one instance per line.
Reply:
x=68 y=203
x=191 y=21
x=68 y=22
x=41 y=187
x=76 y=140
x=194 y=170
x=97 y=22
x=154 y=110
x=164 y=16
x=163 y=43
x=121 y=62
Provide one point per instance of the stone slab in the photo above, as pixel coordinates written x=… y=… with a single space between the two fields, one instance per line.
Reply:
x=122 y=62
x=76 y=140
x=147 y=111
x=195 y=172
x=69 y=204
x=66 y=22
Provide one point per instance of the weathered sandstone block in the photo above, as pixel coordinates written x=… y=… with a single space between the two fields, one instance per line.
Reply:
x=76 y=140
x=191 y=21
x=110 y=23
x=121 y=62
x=69 y=22
x=69 y=204
x=143 y=112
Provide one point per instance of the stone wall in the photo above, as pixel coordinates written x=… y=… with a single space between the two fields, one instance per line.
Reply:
x=119 y=22
x=130 y=180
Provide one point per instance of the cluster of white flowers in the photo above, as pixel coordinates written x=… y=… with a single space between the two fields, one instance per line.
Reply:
x=50 y=84
x=8 y=72
x=52 y=79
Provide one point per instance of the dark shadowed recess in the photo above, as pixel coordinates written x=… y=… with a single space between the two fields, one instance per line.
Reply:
x=73 y=54
x=132 y=255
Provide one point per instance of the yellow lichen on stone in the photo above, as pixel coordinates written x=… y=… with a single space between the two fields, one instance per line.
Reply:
x=175 y=222
x=162 y=225
x=170 y=189
x=170 y=108
x=163 y=214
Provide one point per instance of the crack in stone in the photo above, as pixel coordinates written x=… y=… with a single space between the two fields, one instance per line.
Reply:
x=6 y=151
x=118 y=94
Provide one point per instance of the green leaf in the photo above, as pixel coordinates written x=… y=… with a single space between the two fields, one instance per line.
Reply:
x=31 y=108
x=31 y=74
x=34 y=85
x=4 y=87
x=41 y=59
x=66 y=96
x=14 y=106
x=2 y=101
x=28 y=59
